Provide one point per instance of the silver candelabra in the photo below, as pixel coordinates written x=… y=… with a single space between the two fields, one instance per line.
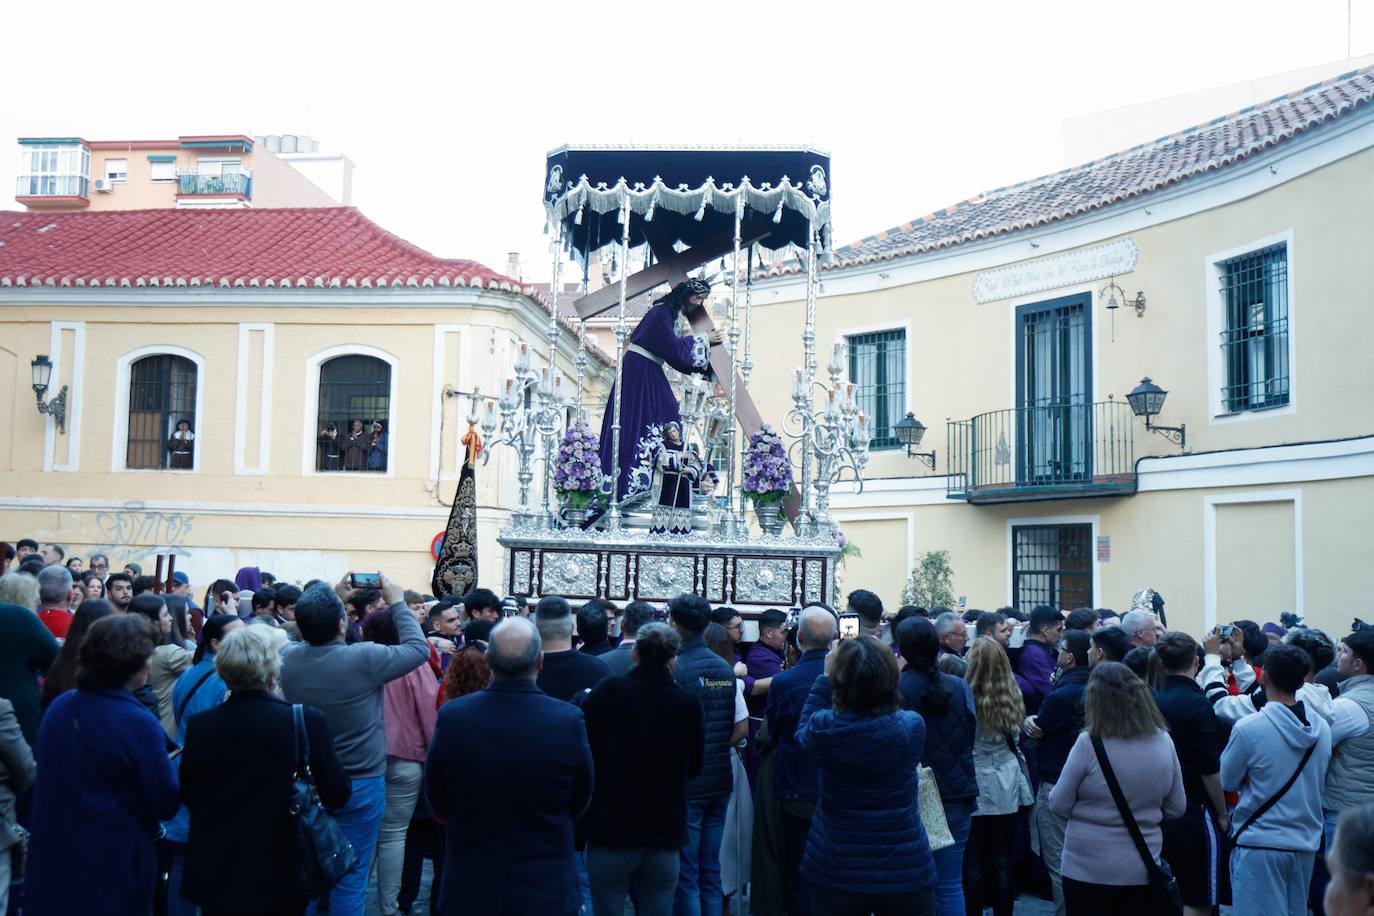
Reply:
x=837 y=433
x=532 y=406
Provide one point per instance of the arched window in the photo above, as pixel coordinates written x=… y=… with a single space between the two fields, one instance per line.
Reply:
x=354 y=420
x=162 y=394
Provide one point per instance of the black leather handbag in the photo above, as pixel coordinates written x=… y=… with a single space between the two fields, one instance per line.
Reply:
x=322 y=851
x=1166 y=898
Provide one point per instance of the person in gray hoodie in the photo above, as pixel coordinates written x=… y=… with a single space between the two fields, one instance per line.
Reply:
x=1277 y=761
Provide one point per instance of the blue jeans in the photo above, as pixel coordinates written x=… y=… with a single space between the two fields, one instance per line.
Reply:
x=580 y=860
x=949 y=862
x=698 y=881
x=360 y=820
x=176 y=904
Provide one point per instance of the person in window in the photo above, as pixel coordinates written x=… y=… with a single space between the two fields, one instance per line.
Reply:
x=354 y=446
x=182 y=446
x=376 y=452
x=331 y=455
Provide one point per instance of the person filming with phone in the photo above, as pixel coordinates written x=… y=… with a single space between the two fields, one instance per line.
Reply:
x=345 y=683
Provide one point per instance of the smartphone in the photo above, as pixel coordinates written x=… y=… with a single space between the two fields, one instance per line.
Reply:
x=849 y=626
x=1226 y=631
x=963 y=602
x=363 y=580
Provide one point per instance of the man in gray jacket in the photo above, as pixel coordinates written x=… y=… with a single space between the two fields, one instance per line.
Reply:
x=1277 y=761
x=1352 y=731
x=345 y=683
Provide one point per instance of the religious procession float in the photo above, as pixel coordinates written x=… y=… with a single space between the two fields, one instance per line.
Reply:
x=654 y=503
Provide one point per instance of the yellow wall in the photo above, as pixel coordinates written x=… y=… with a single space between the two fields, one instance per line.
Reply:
x=960 y=363
x=284 y=517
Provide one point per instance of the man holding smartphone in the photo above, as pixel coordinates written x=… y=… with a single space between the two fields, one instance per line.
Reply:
x=345 y=683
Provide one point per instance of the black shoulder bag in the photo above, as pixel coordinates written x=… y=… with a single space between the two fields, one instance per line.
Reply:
x=323 y=853
x=1167 y=899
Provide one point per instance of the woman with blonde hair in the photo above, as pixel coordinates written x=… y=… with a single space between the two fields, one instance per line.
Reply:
x=1003 y=784
x=1125 y=736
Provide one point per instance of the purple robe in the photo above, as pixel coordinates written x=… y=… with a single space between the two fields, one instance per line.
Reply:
x=648 y=397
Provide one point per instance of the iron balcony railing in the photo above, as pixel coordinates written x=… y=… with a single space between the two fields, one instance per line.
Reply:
x=191 y=182
x=1044 y=452
x=52 y=186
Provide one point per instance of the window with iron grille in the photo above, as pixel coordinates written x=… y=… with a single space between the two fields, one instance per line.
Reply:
x=1052 y=564
x=1254 y=289
x=877 y=367
x=355 y=393
x=162 y=393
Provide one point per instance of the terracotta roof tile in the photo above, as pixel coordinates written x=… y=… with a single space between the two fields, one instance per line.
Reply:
x=287 y=248
x=1144 y=168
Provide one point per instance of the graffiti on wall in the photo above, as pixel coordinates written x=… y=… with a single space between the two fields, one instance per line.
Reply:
x=133 y=528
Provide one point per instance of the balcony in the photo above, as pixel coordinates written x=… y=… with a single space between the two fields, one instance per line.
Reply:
x=42 y=192
x=1045 y=452
x=227 y=184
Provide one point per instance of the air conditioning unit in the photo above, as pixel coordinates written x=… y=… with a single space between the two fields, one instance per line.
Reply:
x=104 y=185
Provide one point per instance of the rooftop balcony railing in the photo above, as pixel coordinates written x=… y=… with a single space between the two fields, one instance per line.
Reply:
x=194 y=183
x=1053 y=451
x=52 y=186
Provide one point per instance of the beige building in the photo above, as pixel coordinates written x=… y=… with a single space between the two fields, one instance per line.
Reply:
x=228 y=170
x=1229 y=262
x=259 y=327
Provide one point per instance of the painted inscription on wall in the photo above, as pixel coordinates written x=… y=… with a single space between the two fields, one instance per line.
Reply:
x=1095 y=263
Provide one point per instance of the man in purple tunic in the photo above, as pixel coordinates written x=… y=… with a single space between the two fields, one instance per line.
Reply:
x=648 y=398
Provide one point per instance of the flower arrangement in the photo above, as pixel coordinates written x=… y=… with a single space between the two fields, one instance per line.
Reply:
x=767 y=472
x=577 y=476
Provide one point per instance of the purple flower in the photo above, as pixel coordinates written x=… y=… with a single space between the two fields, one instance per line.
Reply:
x=578 y=461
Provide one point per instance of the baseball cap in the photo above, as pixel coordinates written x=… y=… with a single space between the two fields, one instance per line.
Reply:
x=180 y=578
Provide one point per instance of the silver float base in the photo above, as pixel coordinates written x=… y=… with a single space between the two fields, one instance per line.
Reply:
x=752 y=574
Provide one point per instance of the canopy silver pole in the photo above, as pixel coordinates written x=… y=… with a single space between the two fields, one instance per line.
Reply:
x=621 y=333
x=734 y=525
x=809 y=371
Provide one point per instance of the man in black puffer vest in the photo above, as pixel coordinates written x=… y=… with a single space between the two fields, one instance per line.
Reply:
x=710 y=678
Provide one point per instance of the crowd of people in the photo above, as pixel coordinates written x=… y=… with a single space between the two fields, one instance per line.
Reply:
x=548 y=759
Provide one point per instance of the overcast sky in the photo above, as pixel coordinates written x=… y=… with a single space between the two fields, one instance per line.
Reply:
x=447 y=109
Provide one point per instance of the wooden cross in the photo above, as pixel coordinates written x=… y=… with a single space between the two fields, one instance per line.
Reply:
x=161 y=585
x=671 y=267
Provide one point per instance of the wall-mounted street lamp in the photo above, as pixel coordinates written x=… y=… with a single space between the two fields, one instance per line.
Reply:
x=57 y=407
x=1146 y=400
x=909 y=431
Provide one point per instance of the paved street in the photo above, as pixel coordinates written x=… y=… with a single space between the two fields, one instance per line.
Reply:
x=1027 y=905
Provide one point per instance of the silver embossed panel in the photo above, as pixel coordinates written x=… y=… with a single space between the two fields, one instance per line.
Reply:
x=568 y=574
x=665 y=577
x=763 y=580
x=520 y=575
x=715 y=579
x=618 y=587
x=814 y=569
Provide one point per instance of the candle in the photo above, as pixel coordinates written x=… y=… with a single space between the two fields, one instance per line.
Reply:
x=849 y=394
x=508 y=393
x=798 y=389
x=830 y=402
x=837 y=357
x=522 y=359
x=558 y=384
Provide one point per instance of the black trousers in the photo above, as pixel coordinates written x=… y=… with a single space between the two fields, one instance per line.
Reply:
x=424 y=840
x=825 y=903
x=987 y=865
x=1084 y=899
